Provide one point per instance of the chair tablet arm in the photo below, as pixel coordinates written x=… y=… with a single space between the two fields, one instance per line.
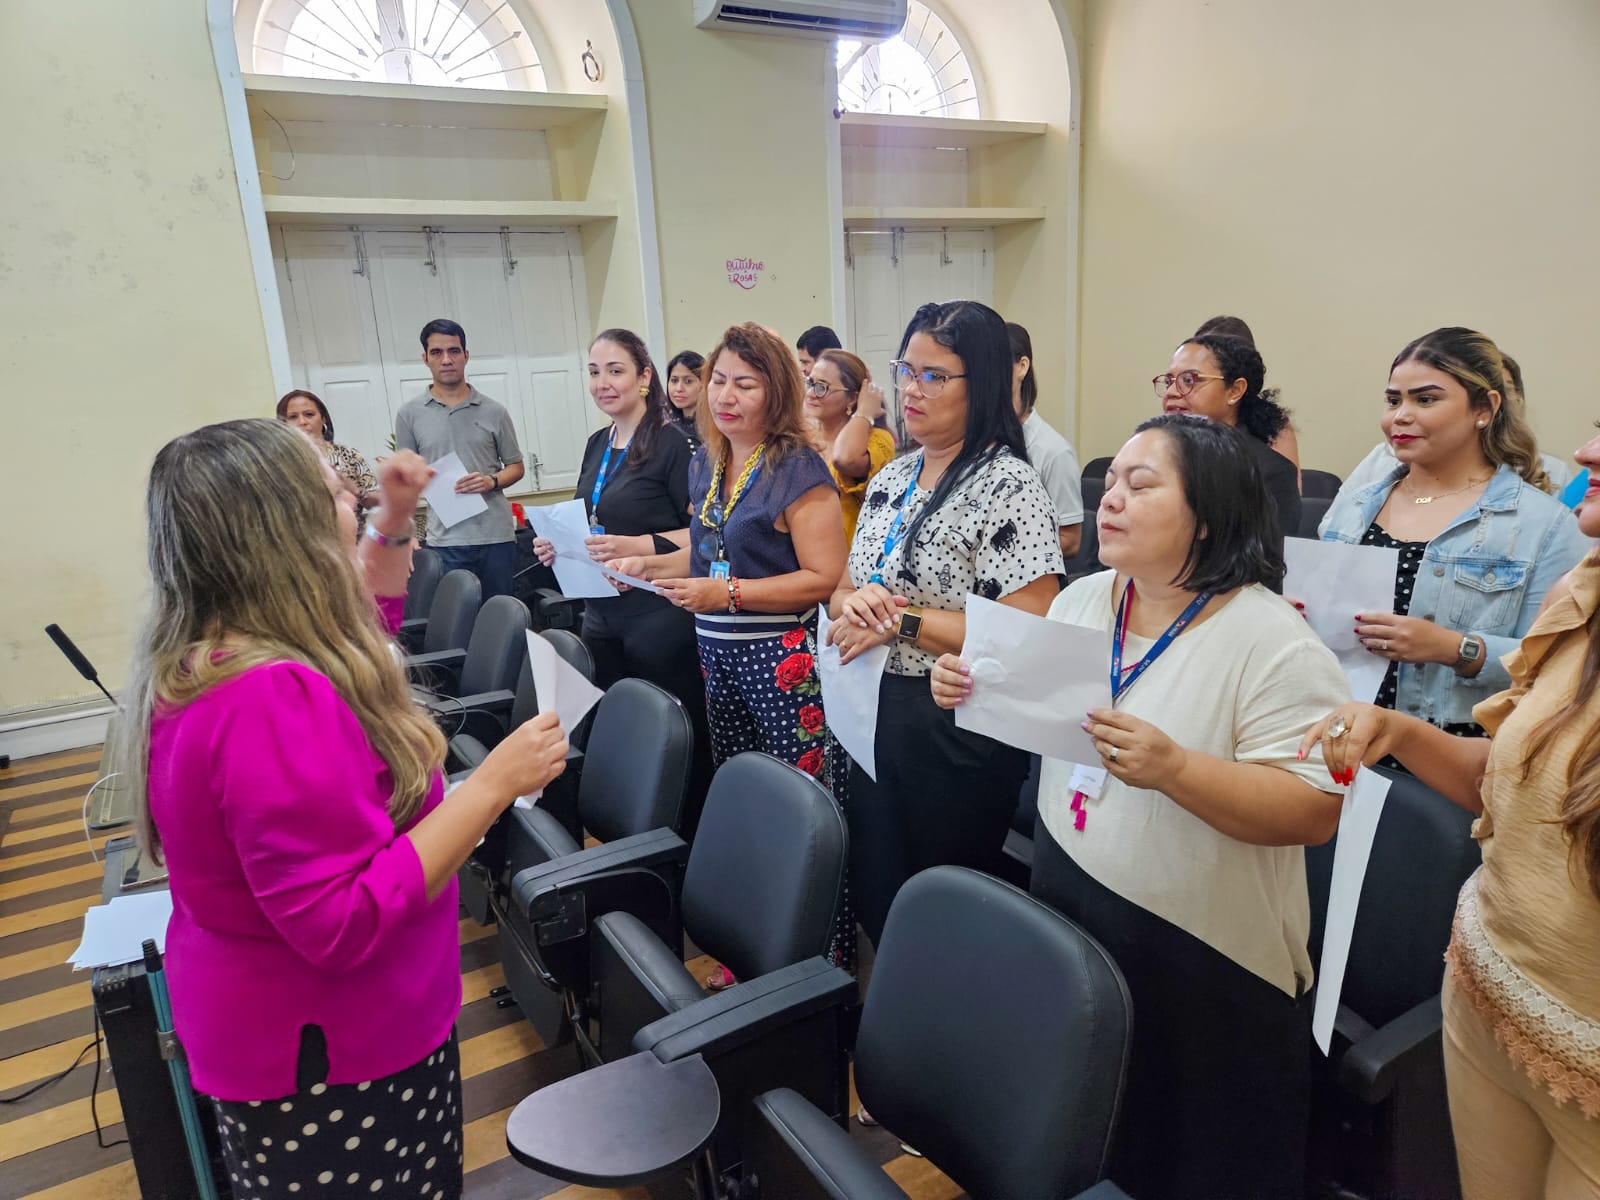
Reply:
x=655 y=848
x=1372 y=1065
x=812 y=1146
x=748 y=1011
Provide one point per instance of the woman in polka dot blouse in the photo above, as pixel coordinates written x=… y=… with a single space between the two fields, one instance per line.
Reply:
x=964 y=514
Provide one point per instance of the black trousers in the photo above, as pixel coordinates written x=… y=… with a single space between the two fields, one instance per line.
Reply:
x=942 y=796
x=655 y=641
x=1219 y=1081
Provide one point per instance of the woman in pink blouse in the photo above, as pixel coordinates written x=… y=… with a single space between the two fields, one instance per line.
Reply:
x=294 y=791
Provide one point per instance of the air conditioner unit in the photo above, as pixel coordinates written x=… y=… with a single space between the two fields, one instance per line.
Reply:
x=858 y=20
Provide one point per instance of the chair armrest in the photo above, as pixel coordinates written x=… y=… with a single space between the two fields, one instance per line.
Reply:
x=435 y=658
x=411 y=632
x=1372 y=1065
x=813 y=1145
x=490 y=702
x=655 y=848
x=748 y=1011
x=467 y=751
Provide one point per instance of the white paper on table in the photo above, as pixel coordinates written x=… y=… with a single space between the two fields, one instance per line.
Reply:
x=850 y=696
x=450 y=506
x=1033 y=680
x=633 y=581
x=559 y=688
x=1335 y=581
x=1358 y=822
x=565 y=526
x=115 y=933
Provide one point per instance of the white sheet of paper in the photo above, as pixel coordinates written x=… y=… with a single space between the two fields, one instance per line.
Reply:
x=114 y=933
x=1033 y=679
x=566 y=525
x=850 y=696
x=644 y=585
x=452 y=507
x=1335 y=581
x=560 y=689
x=1358 y=822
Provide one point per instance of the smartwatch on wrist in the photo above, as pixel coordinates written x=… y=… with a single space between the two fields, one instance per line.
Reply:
x=1471 y=651
x=910 y=625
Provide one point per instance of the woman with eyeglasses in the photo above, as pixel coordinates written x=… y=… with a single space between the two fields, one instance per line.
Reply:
x=1223 y=378
x=965 y=514
x=848 y=410
x=1480 y=541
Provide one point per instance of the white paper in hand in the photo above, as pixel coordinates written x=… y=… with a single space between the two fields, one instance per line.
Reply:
x=633 y=581
x=450 y=506
x=1033 y=679
x=565 y=526
x=1335 y=581
x=1358 y=822
x=850 y=696
x=560 y=689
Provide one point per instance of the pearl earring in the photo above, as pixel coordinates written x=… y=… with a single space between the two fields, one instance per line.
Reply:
x=1481 y=424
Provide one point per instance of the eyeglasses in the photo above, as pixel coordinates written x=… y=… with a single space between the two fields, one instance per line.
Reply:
x=929 y=383
x=1183 y=383
x=821 y=388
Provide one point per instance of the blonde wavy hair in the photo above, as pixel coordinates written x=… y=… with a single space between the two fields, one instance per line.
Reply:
x=248 y=567
x=1477 y=364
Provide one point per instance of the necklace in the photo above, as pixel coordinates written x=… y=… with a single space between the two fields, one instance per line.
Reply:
x=1416 y=499
x=713 y=514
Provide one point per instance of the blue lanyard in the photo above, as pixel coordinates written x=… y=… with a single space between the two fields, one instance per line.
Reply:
x=600 y=476
x=1118 y=683
x=896 y=534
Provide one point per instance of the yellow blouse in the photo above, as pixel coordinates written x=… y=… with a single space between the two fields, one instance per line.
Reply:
x=880 y=450
x=1526 y=943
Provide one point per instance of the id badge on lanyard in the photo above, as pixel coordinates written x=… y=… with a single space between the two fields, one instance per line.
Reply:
x=721 y=569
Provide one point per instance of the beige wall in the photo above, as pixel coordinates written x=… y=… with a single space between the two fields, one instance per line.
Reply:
x=129 y=303
x=1345 y=177
x=737 y=133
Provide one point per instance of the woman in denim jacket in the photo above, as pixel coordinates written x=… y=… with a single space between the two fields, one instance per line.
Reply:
x=1480 y=542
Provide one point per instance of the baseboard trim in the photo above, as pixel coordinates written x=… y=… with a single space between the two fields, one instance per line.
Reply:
x=29 y=733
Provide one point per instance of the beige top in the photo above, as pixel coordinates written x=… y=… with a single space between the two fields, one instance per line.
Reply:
x=1528 y=928
x=1244 y=686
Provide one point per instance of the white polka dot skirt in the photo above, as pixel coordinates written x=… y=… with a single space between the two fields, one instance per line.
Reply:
x=395 y=1136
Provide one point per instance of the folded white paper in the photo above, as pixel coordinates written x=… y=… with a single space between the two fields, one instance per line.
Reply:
x=565 y=526
x=450 y=506
x=1033 y=680
x=633 y=581
x=559 y=688
x=850 y=696
x=1358 y=822
x=1335 y=581
x=115 y=933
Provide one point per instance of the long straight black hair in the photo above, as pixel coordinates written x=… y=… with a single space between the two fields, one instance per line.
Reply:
x=976 y=334
x=643 y=444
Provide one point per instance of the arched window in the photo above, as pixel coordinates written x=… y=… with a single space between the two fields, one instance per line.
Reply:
x=923 y=72
x=442 y=43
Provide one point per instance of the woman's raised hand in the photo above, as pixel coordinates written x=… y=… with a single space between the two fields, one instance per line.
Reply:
x=531 y=755
x=401 y=478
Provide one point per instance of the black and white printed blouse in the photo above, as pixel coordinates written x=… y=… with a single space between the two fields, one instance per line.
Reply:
x=994 y=535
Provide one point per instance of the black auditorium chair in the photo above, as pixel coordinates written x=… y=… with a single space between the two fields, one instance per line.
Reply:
x=442 y=636
x=1312 y=510
x=474 y=692
x=1380 y=1122
x=1010 y=1091
x=1095 y=472
x=427 y=569
x=1017 y=865
x=759 y=893
x=1319 y=485
x=630 y=798
x=1087 y=560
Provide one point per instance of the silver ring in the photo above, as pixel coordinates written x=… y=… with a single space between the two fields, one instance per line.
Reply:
x=1338 y=728
x=1111 y=755
x=1384 y=646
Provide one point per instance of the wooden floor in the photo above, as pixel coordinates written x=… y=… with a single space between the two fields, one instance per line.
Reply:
x=48 y=1147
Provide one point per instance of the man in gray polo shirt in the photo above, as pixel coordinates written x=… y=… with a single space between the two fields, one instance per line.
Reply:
x=454 y=415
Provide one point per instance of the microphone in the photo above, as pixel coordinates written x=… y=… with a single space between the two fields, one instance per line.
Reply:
x=75 y=657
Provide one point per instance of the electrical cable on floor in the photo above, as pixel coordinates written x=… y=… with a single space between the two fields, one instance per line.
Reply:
x=54 y=1079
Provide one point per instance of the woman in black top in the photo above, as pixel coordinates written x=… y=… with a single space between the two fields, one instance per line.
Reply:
x=635 y=486
x=1222 y=377
x=685 y=390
